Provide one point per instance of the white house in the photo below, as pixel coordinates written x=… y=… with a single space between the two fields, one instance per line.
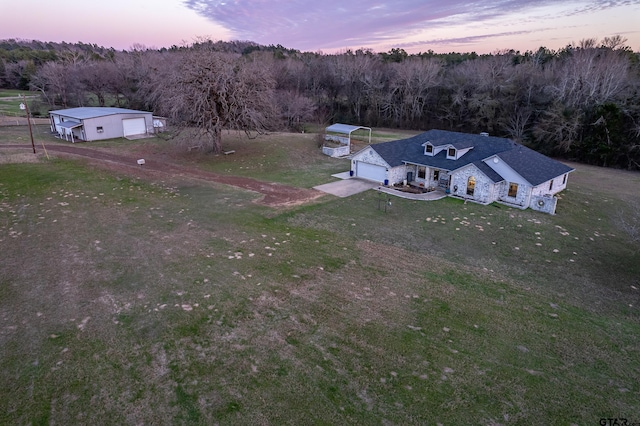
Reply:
x=96 y=123
x=479 y=168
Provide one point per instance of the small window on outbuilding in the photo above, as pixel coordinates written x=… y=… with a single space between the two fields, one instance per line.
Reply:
x=513 y=189
x=564 y=179
x=551 y=185
x=100 y=129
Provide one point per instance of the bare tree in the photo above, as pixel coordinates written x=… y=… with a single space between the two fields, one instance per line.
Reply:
x=590 y=76
x=98 y=78
x=559 y=126
x=517 y=124
x=409 y=89
x=295 y=109
x=615 y=42
x=18 y=74
x=482 y=92
x=137 y=75
x=356 y=73
x=58 y=84
x=212 y=91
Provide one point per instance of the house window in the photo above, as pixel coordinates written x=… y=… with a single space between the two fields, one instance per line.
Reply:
x=513 y=189
x=422 y=172
x=99 y=129
x=436 y=175
x=564 y=179
x=451 y=152
x=471 y=185
x=428 y=149
x=551 y=185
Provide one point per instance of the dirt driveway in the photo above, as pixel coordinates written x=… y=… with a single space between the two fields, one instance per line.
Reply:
x=274 y=194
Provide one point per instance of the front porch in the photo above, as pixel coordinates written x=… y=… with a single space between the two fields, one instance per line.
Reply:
x=429 y=178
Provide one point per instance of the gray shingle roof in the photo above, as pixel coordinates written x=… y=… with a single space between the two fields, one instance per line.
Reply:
x=488 y=171
x=458 y=140
x=82 y=113
x=531 y=165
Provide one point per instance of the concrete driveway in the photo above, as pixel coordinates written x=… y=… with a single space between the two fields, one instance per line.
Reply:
x=347 y=187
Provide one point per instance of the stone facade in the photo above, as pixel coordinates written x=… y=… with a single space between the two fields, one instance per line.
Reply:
x=397 y=174
x=550 y=187
x=522 y=195
x=369 y=156
x=340 y=151
x=484 y=187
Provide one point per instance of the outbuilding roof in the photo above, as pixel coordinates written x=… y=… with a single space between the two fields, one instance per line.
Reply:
x=345 y=128
x=83 y=113
x=531 y=165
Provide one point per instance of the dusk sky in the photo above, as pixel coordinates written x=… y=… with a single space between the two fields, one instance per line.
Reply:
x=329 y=25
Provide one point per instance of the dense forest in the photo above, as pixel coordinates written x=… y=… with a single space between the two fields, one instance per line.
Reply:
x=581 y=102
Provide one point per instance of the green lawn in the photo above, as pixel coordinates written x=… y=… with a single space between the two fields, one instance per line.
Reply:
x=10 y=101
x=7 y=93
x=174 y=302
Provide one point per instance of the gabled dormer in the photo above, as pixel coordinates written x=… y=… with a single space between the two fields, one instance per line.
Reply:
x=453 y=151
x=456 y=152
x=432 y=149
x=429 y=149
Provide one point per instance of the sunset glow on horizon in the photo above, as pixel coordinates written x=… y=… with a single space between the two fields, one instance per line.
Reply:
x=329 y=26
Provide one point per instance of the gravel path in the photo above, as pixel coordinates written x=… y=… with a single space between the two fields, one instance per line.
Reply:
x=274 y=194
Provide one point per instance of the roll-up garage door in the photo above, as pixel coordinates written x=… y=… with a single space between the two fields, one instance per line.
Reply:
x=133 y=126
x=370 y=171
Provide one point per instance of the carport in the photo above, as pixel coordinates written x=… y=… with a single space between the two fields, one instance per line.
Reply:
x=341 y=134
x=345 y=129
x=67 y=129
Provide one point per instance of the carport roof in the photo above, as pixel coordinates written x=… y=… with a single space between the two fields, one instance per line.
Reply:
x=70 y=124
x=345 y=128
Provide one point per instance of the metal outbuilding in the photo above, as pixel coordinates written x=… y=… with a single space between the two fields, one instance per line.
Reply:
x=346 y=129
x=97 y=123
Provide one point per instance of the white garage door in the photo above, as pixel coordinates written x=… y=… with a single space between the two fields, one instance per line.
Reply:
x=133 y=126
x=370 y=171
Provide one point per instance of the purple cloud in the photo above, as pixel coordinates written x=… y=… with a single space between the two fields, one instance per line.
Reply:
x=330 y=24
x=462 y=40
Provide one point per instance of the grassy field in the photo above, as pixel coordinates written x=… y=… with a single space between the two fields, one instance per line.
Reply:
x=10 y=101
x=177 y=302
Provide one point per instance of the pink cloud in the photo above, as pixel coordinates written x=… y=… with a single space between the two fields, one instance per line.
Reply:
x=308 y=25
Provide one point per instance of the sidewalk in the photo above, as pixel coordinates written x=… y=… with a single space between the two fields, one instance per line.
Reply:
x=428 y=196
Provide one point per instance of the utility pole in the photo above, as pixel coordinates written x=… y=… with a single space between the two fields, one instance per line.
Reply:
x=26 y=107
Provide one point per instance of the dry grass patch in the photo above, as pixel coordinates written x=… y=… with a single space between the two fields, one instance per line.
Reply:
x=17 y=157
x=157 y=303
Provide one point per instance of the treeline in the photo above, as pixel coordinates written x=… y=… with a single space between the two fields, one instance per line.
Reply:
x=581 y=102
